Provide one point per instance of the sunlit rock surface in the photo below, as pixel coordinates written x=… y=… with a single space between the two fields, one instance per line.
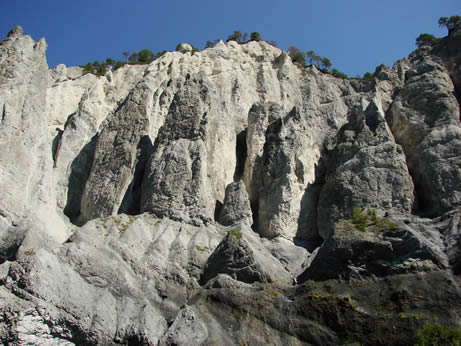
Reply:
x=200 y=199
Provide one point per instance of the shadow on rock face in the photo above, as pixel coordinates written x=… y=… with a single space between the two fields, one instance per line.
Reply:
x=80 y=171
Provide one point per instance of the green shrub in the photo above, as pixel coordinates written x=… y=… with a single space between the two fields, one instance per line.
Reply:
x=145 y=56
x=159 y=54
x=210 y=44
x=368 y=76
x=437 y=334
x=369 y=221
x=194 y=49
x=335 y=73
x=236 y=36
x=119 y=64
x=235 y=233
x=360 y=219
x=385 y=224
x=426 y=40
x=450 y=23
x=298 y=57
x=255 y=36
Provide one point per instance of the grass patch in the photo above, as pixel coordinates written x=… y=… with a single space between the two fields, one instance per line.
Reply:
x=235 y=233
x=201 y=248
x=438 y=334
x=366 y=221
x=331 y=298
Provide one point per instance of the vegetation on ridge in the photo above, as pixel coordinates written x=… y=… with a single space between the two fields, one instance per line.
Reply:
x=450 y=24
x=298 y=57
x=437 y=334
x=366 y=221
x=142 y=57
x=426 y=40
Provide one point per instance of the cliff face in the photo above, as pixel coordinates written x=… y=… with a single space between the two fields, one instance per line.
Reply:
x=198 y=199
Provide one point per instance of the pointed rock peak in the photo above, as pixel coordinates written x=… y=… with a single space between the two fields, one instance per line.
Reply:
x=242 y=256
x=41 y=45
x=232 y=44
x=16 y=31
x=236 y=205
x=313 y=69
x=184 y=48
x=220 y=44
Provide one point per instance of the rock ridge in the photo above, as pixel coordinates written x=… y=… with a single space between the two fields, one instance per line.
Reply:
x=208 y=198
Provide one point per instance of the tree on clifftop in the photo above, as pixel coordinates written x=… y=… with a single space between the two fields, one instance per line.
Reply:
x=426 y=40
x=236 y=36
x=450 y=23
x=297 y=56
x=255 y=36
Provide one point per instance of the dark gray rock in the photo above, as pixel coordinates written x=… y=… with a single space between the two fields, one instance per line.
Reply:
x=174 y=184
x=349 y=253
x=187 y=329
x=241 y=256
x=364 y=168
x=236 y=206
x=424 y=119
x=118 y=153
x=450 y=227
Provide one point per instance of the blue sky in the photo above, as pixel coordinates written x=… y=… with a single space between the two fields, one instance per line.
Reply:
x=356 y=35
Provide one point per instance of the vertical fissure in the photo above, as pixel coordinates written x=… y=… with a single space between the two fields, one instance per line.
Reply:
x=3 y=113
x=240 y=154
x=56 y=146
x=80 y=171
x=131 y=203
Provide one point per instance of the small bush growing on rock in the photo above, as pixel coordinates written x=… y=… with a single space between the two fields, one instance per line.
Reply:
x=255 y=36
x=437 y=334
x=338 y=74
x=194 y=49
x=297 y=56
x=426 y=40
x=235 y=233
x=210 y=44
x=29 y=252
x=236 y=36
x=368 y=76
x=96 y=67
x=360 y=219
x=368 y=220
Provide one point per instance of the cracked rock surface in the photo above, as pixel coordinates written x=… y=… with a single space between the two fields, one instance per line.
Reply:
x=208 y=198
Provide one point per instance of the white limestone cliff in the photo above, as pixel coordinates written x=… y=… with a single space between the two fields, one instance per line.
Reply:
x=187 y=199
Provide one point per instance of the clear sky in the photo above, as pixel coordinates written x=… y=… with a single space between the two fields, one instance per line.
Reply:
x=356 y=35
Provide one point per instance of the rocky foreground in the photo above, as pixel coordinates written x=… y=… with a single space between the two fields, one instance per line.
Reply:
x=202 y=199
